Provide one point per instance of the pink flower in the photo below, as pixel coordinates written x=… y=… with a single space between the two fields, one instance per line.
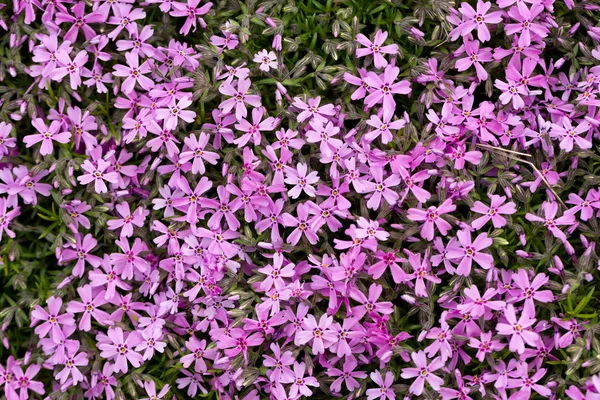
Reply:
x=423 y=373
x=23 y=382
x=301 y=181
x=496 y=209
x=375 y=47
x=347 y=376
x=46 y=136
x=150 y=388
x=569 y=135
x=196 y=151
x=550 y=208
x=198 y=354
x=70 y=67
x=266 y=59
x=134 y=72
x=51 y=320
x=485 y=345
x=475 y=56
x=518 y=330
x=73 y=360
x=97 y=174
x=7 y=217
x=477 y=305
x=469 y=251
x=384 y=391
x=384 y=87
x=422 y=272
x=120 y=348
x=300 y=383
x=476 y=19
x=320 y=333
x=192 y=12
x=89 y=306
x=525 y=17
x=381 y=188
x=529 y=292
x=128 y=219
x=312 y=108
x=124 y=17
x=239 y=98
x=382 y=127
x=432 y=217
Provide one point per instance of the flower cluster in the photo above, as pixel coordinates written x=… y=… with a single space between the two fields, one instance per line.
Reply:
x=191 y=204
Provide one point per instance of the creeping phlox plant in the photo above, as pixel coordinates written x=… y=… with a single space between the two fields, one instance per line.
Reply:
x=276 y=200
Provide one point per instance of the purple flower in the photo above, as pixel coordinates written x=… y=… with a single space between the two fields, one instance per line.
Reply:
x=119 y=347
x=518 y=330
x=476 y=19
x=384 y=391
x=423 y=373
x=376 y=48
x=46 y=135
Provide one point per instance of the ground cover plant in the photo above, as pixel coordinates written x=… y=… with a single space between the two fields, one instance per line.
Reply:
x=281 y=200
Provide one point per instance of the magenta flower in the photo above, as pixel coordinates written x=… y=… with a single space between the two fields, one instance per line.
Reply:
x=347 y=375
x=384 y=392
x=320 y=333
x=423 y=373
x=526 y=26
x=382 y=127
x=476 y=19
x=81 y=252
x=73 y=68
x=469 y=251
x=51 y=320
x=511 y=91
x=281 y=363
x=128 y=219
x=73 y=360
x=23 y=382
x=312 y=109
x=196 y=151
x=97 y=174
x=518 y=330
x=253 y=130
x=301 y=181
x=192 y=12
x=485 y=345
x=570 y=135
x=46 y=135
x=432 y=218
x=475 y=56
x=134 y=72
x=239 y=98
x=124 y=17
x=197 y=355
x=529 y=292
x=384 y=87
x=79 y=20
x=266 y=59
x=119 y=347
x=376 y=48
x=90 y=307
x=477 y=305
x=381 y=188
x=6 y=142
x=130 y=258
x=6 y=218
x=493 y=212
x=422 y=272
x=150 y=388
x=300 y=383
x=550 y=208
